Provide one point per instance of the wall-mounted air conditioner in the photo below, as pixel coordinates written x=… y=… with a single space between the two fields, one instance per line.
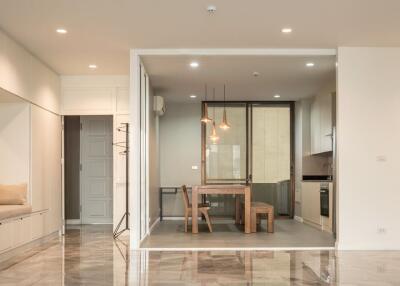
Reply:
x=159 y=105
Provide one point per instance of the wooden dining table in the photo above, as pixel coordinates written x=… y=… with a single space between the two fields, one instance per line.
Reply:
x=222 y=190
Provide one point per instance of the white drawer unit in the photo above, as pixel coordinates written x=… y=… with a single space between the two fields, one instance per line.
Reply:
x=6 y=236
x=37 y=227
x=21 y=231
x=15 y=232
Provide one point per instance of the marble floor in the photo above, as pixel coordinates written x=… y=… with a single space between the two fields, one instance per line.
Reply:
x=88 y=255
x=288 y=233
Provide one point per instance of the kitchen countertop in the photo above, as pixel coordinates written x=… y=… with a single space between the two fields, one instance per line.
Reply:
x=317 y=178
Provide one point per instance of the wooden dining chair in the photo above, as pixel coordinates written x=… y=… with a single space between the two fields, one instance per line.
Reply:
x=203 y=209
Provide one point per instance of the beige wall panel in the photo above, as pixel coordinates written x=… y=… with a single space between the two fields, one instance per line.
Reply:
x=46 y=166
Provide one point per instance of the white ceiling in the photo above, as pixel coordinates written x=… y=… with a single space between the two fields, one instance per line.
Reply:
x=103 y=31
x=174 y=79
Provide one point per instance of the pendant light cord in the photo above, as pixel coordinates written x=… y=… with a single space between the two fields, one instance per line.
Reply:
x=224 y=97
x=214 y=104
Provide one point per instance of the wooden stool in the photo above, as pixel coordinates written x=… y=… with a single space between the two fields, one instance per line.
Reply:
x=258 y=209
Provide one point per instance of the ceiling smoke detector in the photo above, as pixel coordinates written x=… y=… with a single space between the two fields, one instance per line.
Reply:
x=256 y=74
x=211 y=9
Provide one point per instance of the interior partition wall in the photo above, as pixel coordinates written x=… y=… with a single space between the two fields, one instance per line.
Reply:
x=137 y=213
x=256 y=150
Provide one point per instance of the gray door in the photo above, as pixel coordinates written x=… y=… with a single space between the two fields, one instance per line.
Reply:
x=96 y=169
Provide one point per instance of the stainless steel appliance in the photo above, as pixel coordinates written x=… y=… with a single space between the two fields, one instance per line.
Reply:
x=324 y=198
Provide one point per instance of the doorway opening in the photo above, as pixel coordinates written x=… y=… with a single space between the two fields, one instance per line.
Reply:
x=88 y=169
x=281 y=143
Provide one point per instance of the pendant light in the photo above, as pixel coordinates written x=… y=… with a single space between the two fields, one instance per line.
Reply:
x=205 y=118
x=224 y=124
x=214 y=137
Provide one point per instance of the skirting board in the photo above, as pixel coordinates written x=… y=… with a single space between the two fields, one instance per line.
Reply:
x=298 y=218
x=153 y=225
x=73 y=221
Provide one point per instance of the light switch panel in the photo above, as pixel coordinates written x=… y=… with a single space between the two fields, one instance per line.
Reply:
x=195 y=167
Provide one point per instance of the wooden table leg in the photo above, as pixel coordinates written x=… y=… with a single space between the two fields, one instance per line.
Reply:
x=237 y=209
x=253 y=220
x=270 y=227
x=195 y=211
x=247 y=208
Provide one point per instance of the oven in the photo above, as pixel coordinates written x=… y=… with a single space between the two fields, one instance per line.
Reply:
x=324 y=198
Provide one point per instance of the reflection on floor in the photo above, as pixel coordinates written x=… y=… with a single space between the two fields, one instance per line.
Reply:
x=89 y=256
x=288 y=233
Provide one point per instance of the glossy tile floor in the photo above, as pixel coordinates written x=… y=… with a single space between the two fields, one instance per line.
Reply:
x=89 y=256
x=288 y=233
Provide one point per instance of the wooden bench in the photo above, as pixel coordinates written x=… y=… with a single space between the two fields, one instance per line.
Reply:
x=258 y=209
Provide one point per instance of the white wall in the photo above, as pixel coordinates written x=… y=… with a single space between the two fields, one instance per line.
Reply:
x=180 y=145
x=94 y=95
x=30 y=140
x=368 y=140
x=24 y=75
x=14 y=142
x=102 y=95
x=154 y=166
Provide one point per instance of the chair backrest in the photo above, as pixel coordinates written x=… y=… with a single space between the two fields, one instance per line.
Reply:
x=185 y=197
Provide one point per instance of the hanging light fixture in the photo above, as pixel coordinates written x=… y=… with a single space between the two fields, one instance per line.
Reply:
x=214 y=137
x=205 y=118
x=224 y=124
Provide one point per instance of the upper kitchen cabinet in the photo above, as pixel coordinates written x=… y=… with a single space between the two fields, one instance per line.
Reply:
x=321 y=123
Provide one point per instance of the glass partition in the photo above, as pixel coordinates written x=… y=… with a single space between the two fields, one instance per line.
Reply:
x=271 y=156
x=225 y=158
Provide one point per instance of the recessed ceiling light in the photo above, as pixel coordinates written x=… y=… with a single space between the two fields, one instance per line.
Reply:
x=193 y=96
x=277 y=96
x=310 y=65
x=211 y=9
x=194 y=64
x=286 y=30
x=61 y=31
x=92 y=67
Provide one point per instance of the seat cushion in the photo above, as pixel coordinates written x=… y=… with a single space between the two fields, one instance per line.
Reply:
x=10 y=211
x=13 y=194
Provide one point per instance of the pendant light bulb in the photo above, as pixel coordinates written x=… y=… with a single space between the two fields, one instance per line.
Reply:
x=214 y=137
x=224 y=124
x=205 y=118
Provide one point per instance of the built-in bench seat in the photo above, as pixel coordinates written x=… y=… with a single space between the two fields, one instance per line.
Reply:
x=12 y=211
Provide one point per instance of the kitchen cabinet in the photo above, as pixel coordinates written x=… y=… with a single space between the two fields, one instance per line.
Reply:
x=321 y=124
x=310 y=205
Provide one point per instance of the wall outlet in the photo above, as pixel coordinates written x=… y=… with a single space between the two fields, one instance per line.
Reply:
x=381 y=158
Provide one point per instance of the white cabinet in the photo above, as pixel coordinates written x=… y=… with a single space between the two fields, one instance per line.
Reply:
x=6 y=236
x=37 y=228
x=315 y=127
x=321 y=124
x=21 y=231
x=310 y=205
